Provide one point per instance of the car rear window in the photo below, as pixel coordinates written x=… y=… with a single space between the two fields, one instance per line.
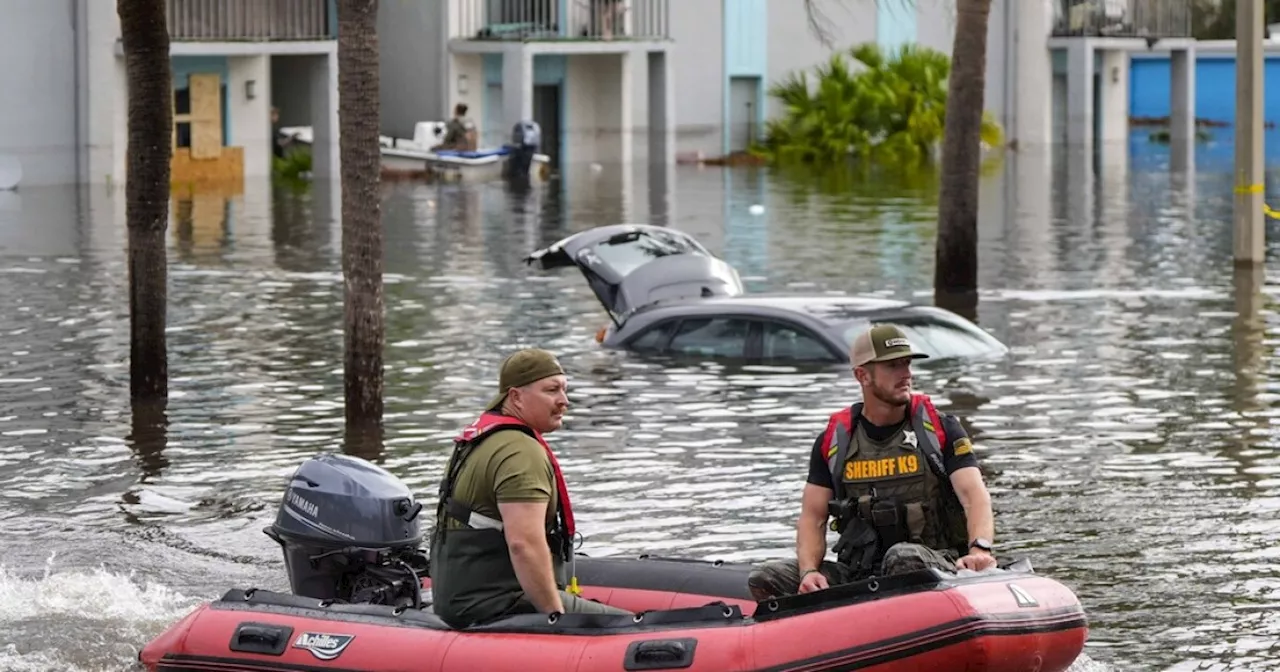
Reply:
x=625 y=253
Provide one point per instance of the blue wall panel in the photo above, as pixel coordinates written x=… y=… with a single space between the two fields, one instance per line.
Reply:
x=1149 y=88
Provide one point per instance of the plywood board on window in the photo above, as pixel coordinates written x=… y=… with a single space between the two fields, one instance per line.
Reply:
x=206 y=115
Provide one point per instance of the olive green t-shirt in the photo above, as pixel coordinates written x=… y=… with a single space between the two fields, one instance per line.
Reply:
x=507 y=466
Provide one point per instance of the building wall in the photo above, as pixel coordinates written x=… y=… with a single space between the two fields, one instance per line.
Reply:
x=697 y=66
x=792 y=45
x=936 y=24
x=38 y=121
x=896 y=24
x=593 y=106
x=413 y=65
x=746 y=65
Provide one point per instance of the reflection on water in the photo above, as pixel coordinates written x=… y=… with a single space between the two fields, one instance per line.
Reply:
x=1128 y=438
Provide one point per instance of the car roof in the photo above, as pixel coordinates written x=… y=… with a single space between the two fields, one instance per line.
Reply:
x=826 y=308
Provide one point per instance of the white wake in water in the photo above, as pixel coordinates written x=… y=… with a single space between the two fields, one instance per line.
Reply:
x=82 y=621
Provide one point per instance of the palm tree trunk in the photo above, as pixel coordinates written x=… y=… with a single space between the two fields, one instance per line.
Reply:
x=956 y=258
x=358 y=126
x=145 y=40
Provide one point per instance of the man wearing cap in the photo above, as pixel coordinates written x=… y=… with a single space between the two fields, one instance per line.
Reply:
x=504 y=524
x=900 y=480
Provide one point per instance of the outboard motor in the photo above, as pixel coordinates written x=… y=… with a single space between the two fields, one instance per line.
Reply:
x=526 y=140
x=350 y=532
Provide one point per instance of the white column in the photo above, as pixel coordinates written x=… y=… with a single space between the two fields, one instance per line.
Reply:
x=98 y=27
x=1029 y=218
x=662 y=109
x=1080 y=93
x=626 y=118
x=251 y=117
x=517 y=85
x=1250 y=234
x=119 y=124
x=325 y=157
x=1114 y=106
x=1033 y=73
x=1182 y=108
x=626 y=130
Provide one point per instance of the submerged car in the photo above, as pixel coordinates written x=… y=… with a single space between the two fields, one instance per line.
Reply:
x=667 y=294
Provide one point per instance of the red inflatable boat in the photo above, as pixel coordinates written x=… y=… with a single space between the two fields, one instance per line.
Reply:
x=350 y=533
x=693 y=616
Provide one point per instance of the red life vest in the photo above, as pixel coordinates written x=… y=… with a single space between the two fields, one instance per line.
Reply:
x=492 y=421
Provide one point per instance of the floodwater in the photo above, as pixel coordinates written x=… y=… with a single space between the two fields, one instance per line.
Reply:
x=1129 y=438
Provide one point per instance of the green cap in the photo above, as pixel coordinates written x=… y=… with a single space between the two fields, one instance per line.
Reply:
x=882 y=343
x=521 y=368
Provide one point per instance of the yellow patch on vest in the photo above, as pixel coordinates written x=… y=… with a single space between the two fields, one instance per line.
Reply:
x=962 y=446
x=928 y=425
x=885 y=467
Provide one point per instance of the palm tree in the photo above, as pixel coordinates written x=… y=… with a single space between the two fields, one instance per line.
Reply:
x=956 y=257
x=360 y=155
x=955 y=275
x=144 y=36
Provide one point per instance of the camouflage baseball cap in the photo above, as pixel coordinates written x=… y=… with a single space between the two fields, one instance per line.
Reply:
x=882 y=343
x=521 y=368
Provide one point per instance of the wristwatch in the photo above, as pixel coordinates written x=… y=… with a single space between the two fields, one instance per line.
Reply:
x=982 y=544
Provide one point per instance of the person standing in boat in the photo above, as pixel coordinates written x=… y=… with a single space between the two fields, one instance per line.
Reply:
x=504 y=525
x=900 y=480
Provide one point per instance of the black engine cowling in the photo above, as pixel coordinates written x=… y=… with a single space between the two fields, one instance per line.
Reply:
x=350 y=532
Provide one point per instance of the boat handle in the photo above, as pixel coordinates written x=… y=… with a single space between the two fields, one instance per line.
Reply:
x=265 y=638
x=660 y=654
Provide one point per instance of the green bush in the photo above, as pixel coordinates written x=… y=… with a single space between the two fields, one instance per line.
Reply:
x=294 y=168
x=891 y=110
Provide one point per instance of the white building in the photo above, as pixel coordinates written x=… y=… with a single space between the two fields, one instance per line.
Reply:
x=66 y=120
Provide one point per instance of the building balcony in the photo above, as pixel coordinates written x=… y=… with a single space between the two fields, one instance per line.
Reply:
x=251 y=20
x=1150 y=19
x=560 y=20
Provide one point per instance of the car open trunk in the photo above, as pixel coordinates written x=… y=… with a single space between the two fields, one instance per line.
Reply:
x=630 y=266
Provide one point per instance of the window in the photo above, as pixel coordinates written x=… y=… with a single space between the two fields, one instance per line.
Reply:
x=712 y=337
x=945 y=340
x=653 y=339
x=628 y=251
x=782 y=343
x=936 y=339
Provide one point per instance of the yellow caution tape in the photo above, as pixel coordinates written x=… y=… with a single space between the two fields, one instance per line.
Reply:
x=1258 y=189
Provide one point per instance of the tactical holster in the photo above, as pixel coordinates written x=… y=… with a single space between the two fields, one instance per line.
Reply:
x=889 y=518
x=858 y=546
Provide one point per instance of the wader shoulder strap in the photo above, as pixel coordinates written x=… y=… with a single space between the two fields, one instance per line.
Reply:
x=835 y=442
x=930 y=434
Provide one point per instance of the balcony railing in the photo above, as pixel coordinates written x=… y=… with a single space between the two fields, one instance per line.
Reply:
x=1122 y=18
x=535 y=20
x=249 y=20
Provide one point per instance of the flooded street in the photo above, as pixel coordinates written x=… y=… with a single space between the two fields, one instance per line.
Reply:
x=1129 y=439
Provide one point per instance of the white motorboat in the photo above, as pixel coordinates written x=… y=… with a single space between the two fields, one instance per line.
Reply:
x=411 y=155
